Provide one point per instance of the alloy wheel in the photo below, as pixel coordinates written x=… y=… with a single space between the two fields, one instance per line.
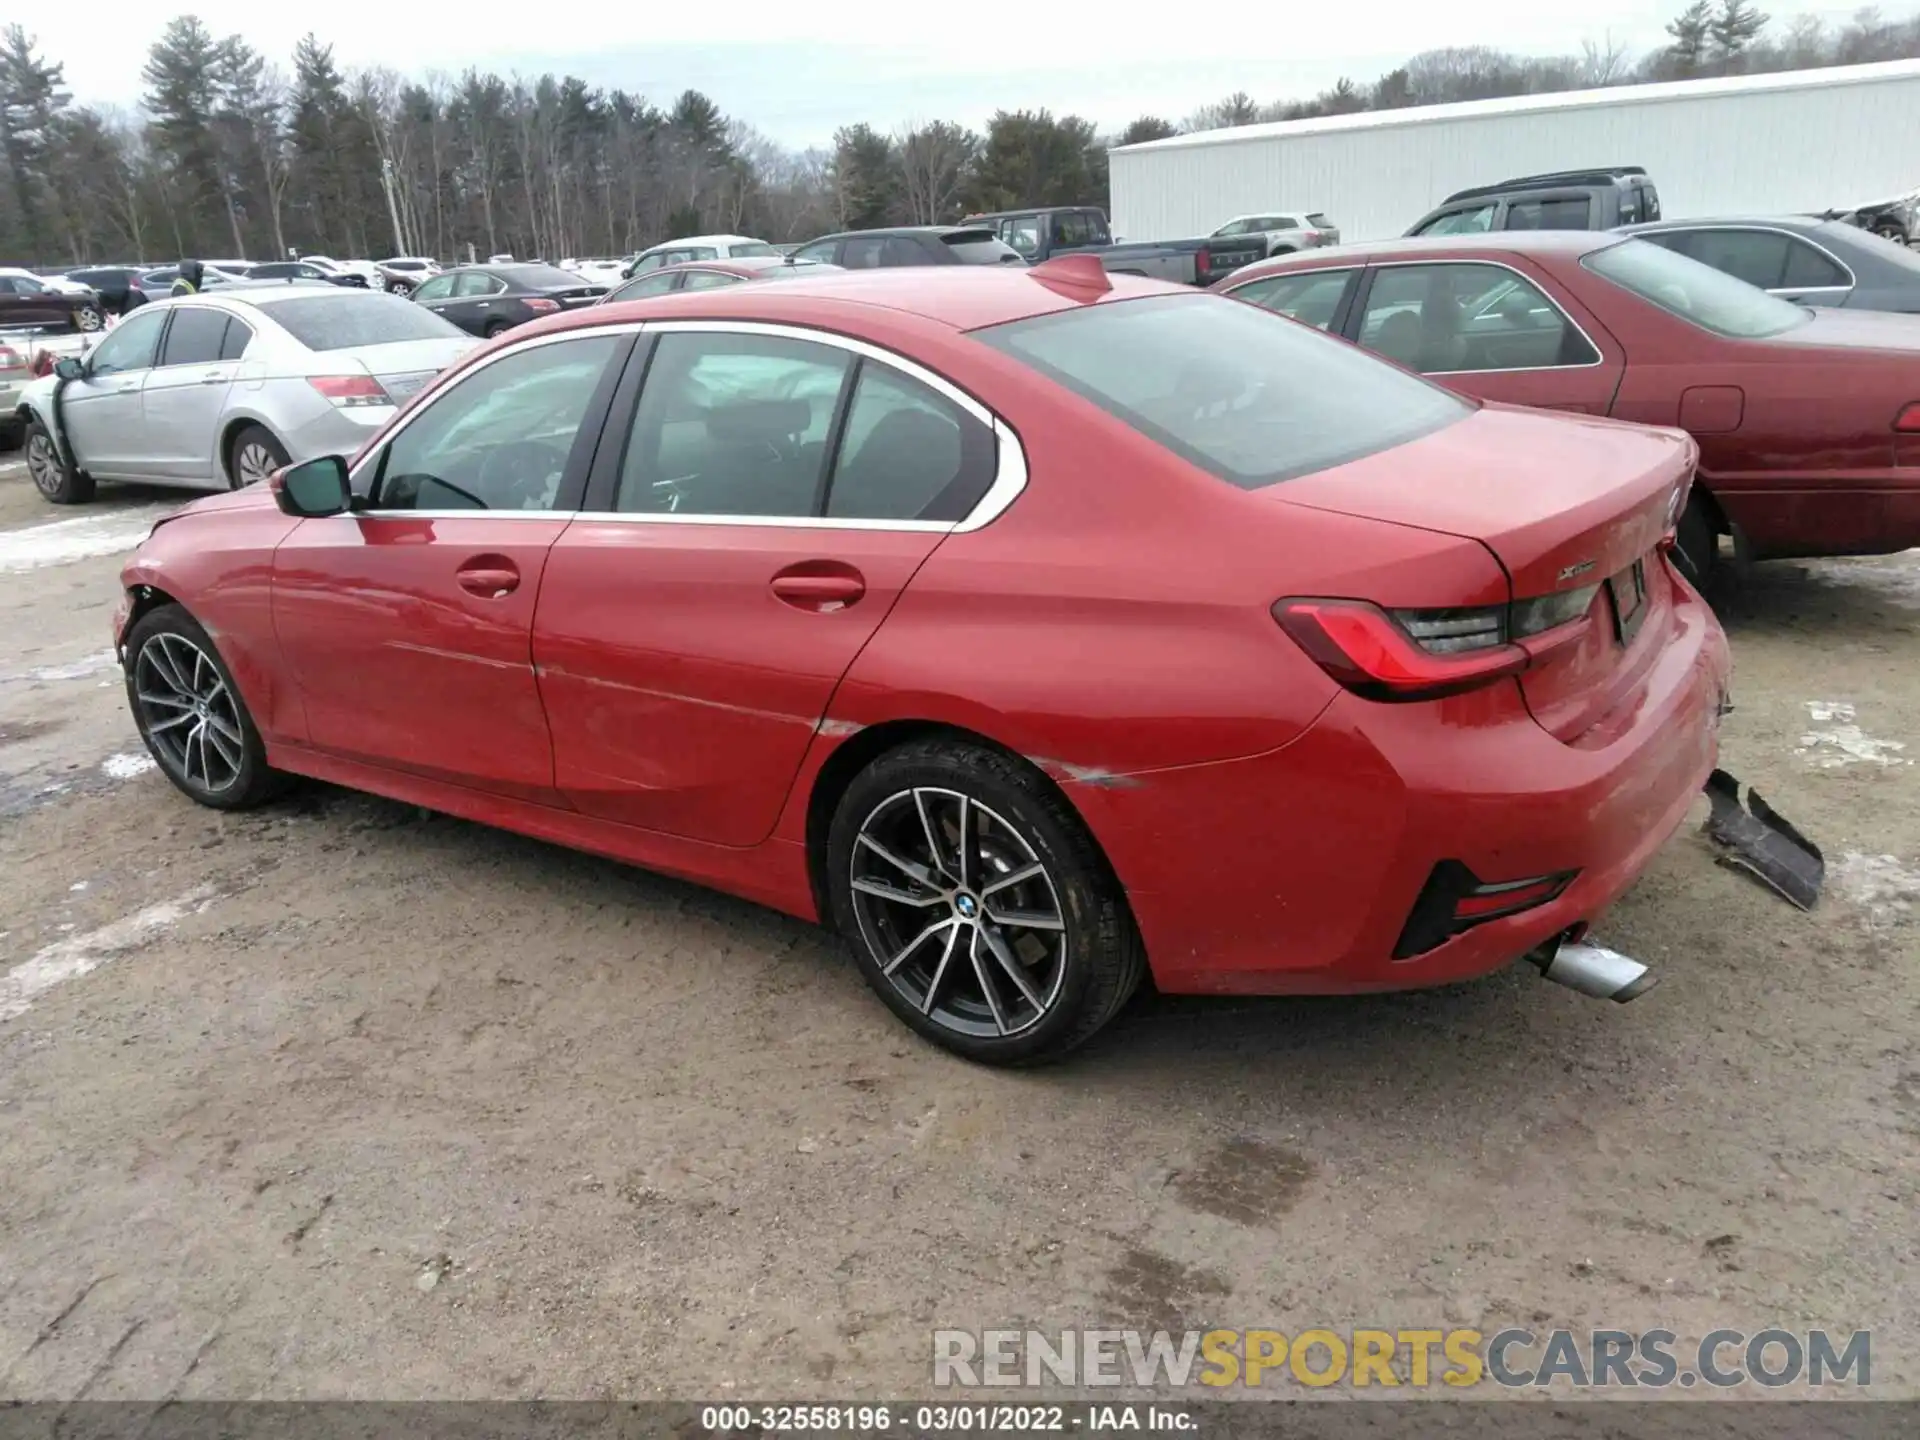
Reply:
x=254 y=463
x=959 y=913
x=87 y=318
x=187 y=712
x=43 y=463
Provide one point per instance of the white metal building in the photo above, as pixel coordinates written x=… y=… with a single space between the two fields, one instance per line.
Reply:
x=1746 y=144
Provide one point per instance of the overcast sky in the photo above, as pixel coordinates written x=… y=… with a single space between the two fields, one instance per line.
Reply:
x=769 y=62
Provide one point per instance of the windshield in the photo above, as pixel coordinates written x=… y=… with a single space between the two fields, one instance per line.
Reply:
x=1237 y=390
x=345 y=319
x=1711 y=299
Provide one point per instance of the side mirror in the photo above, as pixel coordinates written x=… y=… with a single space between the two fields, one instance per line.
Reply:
x=313 y=490
x=70 y=369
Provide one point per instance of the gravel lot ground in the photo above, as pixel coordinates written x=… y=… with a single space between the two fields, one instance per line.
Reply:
x=344 y=1099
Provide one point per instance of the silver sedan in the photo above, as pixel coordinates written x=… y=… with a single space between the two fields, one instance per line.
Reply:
x=218 y=390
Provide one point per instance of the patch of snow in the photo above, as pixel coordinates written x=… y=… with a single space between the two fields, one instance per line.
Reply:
x=1896 y=578
x=59 y=542
x=77 y=885
x=127 y=765
x=1882 y=885
x=78 y=955
x=73 y=670
x=1842 y=742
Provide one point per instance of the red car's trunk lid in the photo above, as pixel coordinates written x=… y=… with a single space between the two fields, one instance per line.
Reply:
x=1564 y=504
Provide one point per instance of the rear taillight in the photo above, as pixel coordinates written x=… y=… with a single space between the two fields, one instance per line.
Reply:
x=1202 y=261
x=542 y=306
x=1427 y=654
x=1907 y=422
x=350 y=392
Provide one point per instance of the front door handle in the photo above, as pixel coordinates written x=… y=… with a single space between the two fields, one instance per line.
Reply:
x=819 y=592
x=490 y=579
x=212 y=377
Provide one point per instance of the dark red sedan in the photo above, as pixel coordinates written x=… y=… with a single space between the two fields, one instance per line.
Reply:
x=1808 y=421
x=713 y=275
x=1031 y=627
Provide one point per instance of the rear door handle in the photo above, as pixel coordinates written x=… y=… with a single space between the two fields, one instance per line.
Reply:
x=213 y=377
x=819 y=592
x=491 y=579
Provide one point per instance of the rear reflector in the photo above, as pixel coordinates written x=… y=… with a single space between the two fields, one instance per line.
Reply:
x=1908 y=420
x=1426 y=654
x=1454 y=899
x=350 y=391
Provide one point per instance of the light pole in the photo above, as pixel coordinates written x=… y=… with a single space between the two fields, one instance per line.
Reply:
x=393 y=210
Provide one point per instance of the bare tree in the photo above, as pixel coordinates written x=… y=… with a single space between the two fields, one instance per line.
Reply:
x=1604 y=62
x=935 y=159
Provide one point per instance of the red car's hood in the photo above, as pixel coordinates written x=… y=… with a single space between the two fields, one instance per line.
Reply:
x=1856 y=330
x=254 y=497
x=1562 y=501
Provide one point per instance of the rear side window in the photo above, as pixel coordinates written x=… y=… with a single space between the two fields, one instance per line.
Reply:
x=709 y=280
x=908 y=453
x=756 y=247
x=1758 y=257
x=1245 y=394
x=1808 y=269
x=340 y=320
x=900 y=250
x=1319 y=221
x=239 y=335
x=195 y=337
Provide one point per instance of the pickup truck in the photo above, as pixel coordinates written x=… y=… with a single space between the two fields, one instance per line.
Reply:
x=1040 y=234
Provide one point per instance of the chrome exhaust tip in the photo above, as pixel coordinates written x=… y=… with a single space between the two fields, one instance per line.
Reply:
x=1597 y=971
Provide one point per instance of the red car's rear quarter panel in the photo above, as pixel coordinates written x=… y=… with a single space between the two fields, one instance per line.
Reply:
x=217 y=561
x=1295 y=871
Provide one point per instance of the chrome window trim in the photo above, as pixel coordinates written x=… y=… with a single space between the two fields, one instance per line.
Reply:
x=1594 y=364
x=1010 y=474
x=1853 y=280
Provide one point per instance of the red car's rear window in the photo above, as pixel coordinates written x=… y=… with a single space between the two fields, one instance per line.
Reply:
x=1247 y=394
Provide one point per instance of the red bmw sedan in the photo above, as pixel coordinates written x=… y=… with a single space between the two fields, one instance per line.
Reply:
x=1033 y=628
x=1808 y=420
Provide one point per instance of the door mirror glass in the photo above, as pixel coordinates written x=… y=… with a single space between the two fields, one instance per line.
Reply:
x=315 y=489
x=70 y=369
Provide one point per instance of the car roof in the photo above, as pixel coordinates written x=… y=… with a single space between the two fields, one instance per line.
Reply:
x=744 y=265
x=703 y=240
x=965 y=227
x=1803 y=223
x=952 y=297
x=1526 y=242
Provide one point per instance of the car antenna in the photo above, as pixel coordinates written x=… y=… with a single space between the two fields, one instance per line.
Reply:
x=1078 y=277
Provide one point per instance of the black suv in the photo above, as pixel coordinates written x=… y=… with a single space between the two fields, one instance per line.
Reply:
x=1565 y=200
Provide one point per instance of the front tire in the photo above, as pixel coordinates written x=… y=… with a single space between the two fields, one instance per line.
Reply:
x=53 y=477
x=88 y=319
x=978 y=907
x=190 y=714
x=253 y=456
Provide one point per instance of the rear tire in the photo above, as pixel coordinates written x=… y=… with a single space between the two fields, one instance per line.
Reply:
x=1698 y=544
x=52 y=476
x=191 y=717
x=494 y=328
x=253 y=456
x=1014 y=962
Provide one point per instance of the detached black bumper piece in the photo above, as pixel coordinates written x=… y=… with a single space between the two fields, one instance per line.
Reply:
x=1759 y=842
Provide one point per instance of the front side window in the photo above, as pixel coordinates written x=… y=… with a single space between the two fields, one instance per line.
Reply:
x=438 y=288
x=1247 y=395
x=1571 y=212
x=821 y=251
x=1454 y=318
x=908 y=453
x=648 y=262
x=131 y=346
x=499 y=438
x=709 y=280
x=752 y=247
x=1232 y=227
x=1461 y=222
x=1024 y=235
x=1698 y=294
x=1312 y=297
x=863 y=253
x=732 y=425
x=1758 y=257
x=195 y=337
x=474 y=284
